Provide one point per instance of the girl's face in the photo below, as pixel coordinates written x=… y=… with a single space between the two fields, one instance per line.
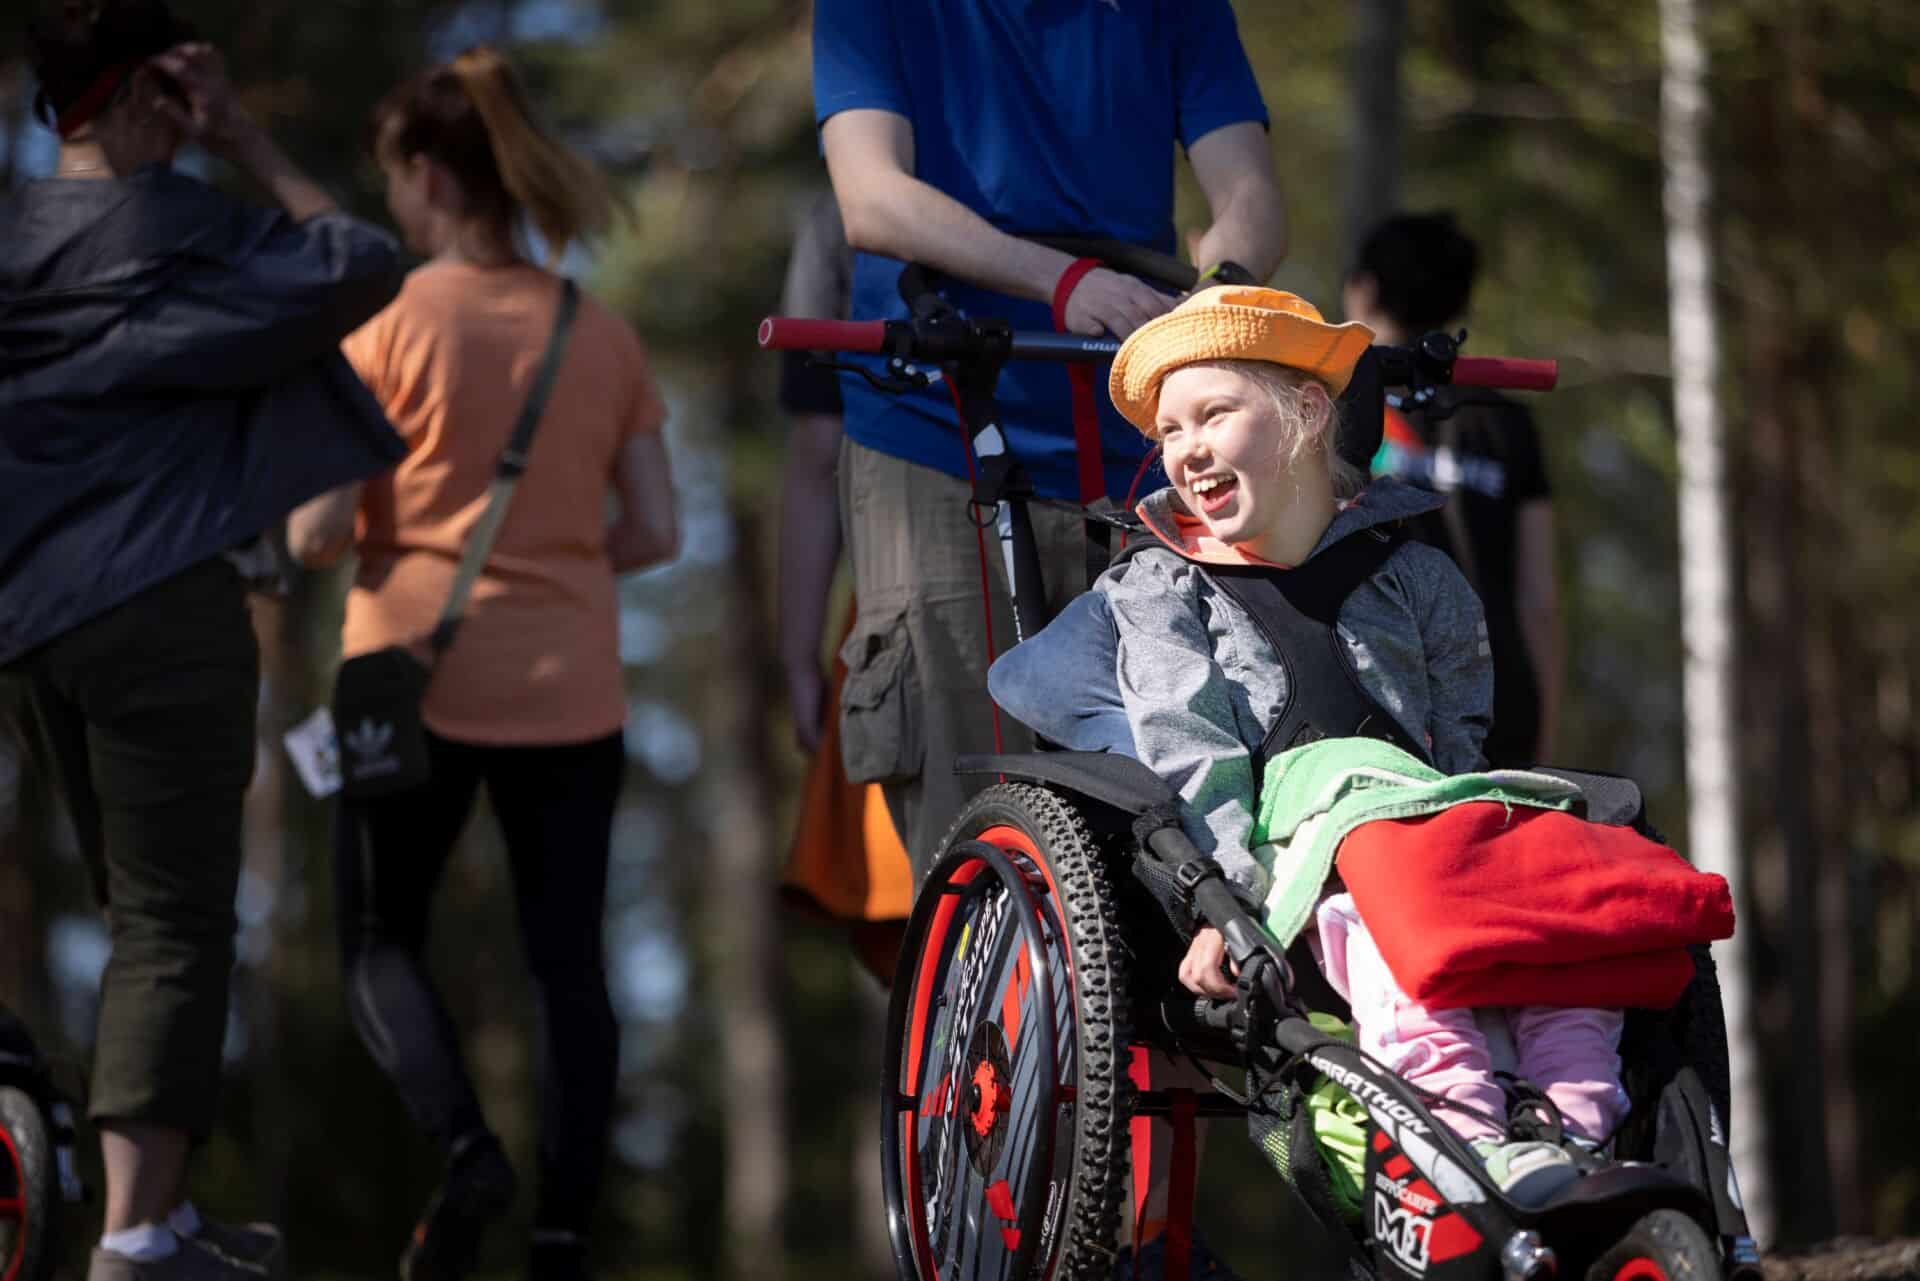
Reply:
x=1224 y=446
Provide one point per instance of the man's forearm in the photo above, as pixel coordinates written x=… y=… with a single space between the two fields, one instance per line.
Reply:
x=298 y=194
x=1251 y=230
x=901 y=217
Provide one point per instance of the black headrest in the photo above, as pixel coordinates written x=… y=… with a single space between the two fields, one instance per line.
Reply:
x=1362 y=407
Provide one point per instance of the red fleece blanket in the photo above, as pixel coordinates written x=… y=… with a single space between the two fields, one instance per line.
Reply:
x=1483 y=904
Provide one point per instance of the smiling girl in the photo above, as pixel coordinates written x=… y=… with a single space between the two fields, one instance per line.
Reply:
x=1267 y=548
x=1237 y=385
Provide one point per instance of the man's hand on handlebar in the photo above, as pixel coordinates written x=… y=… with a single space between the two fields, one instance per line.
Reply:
x=1108 y=302
x=1203 y=969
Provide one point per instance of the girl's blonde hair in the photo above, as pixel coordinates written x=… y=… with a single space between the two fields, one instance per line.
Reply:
x=473 y=116
x=1301 y=431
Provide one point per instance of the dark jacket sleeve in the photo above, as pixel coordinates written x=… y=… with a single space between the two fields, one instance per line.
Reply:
x=277 y=297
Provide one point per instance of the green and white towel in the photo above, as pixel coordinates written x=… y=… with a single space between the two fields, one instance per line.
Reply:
x=1312 y=796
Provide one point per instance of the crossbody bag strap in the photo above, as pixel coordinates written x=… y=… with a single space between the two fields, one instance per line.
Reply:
x=506 y=475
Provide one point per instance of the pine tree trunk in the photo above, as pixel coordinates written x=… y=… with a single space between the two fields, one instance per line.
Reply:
x=1778 y=732
x=743 y=926
x=1379 y=33
x=1706 y=588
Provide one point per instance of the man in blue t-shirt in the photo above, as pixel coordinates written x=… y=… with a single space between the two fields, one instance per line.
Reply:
x=953 y=129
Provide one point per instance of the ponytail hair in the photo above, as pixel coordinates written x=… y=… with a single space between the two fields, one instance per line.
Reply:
x=473 y=116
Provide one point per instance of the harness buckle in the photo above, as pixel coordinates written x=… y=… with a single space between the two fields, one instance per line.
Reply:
x=1189 y=874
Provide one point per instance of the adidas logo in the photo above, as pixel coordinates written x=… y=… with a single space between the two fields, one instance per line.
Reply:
x=371 y=745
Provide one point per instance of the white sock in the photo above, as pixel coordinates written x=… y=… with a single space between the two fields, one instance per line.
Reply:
x=147 y=1243
x=185 y=1220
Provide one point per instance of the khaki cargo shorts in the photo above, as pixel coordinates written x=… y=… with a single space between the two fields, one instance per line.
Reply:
x=916 y=690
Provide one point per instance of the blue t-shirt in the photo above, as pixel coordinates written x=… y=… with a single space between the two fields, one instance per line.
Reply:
x=1044 y=117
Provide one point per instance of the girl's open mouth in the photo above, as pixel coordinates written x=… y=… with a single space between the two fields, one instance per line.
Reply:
x=1213 y=492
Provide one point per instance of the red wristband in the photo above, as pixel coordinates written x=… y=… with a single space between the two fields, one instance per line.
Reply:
x=1069 y=281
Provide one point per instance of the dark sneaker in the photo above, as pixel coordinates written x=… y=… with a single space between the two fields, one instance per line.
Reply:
x=257 y=1247
x=479 y=1187
x=184 y=1264
x=1203 y=1265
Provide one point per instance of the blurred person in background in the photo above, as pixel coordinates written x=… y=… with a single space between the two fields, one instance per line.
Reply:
x=170 y=388
x=530 y=698
x=846 y=863
x=1414 y=274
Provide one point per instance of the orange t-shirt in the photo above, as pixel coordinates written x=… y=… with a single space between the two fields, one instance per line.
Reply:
x=537 y=657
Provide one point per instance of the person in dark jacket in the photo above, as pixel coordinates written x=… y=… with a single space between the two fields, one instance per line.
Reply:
x=1481 y=451
x=170 y=387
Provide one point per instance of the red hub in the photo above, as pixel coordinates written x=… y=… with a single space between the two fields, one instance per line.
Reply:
x=989 y=1099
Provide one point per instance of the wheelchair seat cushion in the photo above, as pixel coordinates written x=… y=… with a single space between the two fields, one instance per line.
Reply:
x=1482 y=904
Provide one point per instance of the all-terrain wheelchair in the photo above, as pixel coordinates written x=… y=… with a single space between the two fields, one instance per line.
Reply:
x=1040 y=958
x=38 y=1174
x=1039 y=968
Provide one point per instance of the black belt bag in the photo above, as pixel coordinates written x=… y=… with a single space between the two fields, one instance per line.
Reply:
x=377 y=695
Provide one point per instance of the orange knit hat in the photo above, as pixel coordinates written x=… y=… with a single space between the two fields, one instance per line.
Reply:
x=1232 y=322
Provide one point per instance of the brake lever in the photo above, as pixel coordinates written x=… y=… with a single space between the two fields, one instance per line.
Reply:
x=900 y=377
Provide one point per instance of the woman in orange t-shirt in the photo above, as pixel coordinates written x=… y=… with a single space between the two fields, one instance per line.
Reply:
x=530 y=698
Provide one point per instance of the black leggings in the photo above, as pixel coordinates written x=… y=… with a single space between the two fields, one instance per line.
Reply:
x=555 y=806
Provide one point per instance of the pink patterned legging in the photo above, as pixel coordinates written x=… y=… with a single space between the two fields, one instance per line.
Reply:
x=1572 y=1054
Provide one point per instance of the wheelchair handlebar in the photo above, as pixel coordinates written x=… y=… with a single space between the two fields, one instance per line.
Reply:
x=941 y=340
x=1214 y=902
x=957 y=339
x=800 y=333
x=1505 y=373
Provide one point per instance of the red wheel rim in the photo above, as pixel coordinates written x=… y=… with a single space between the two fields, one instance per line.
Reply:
x=14 y=1208
x=1640 y=1268
x=977 y=1090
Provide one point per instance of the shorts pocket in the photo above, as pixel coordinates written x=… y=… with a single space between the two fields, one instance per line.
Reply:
x=881 y=736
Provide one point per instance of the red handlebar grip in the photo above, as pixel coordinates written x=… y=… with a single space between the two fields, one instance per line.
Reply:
x=1511 y=375
x=794 y=333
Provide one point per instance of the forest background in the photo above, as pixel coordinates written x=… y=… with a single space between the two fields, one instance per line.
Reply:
x=746 y=1141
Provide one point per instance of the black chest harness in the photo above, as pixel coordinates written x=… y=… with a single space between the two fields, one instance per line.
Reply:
x=1296 y=611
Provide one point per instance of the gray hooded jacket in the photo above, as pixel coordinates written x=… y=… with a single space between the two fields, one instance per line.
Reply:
x=1201 y=687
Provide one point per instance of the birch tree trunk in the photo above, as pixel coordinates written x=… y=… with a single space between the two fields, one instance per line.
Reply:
x=1706 y=559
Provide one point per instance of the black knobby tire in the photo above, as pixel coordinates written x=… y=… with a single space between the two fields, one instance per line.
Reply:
x=29 y=1189
x=1071 y=886
x=1663 y=1246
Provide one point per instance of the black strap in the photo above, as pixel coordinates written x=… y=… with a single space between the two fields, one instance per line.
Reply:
x=513 y=459
x=1298 y=610
x=507 y=473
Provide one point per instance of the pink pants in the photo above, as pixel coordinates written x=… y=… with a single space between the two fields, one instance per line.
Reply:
x=1571 y=1054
